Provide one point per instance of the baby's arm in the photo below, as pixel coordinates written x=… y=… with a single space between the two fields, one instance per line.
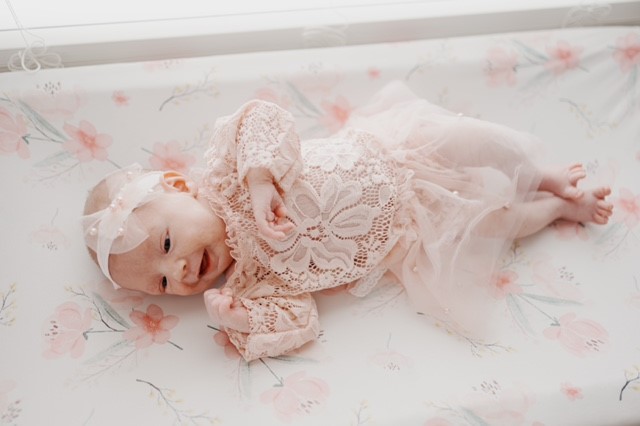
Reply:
x=267 y=325
x=226 y=311
x=268 y=208
x=269 y=161
x=267 y=139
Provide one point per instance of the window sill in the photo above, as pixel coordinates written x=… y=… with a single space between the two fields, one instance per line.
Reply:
x=213 y=35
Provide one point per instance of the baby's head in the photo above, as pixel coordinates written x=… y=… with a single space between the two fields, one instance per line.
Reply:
x=152 y=232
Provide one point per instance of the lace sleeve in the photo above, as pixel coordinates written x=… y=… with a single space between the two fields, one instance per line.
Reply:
x=278 y=324
x=266 y=138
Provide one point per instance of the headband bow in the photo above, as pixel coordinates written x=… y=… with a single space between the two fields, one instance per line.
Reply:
x=114 y=229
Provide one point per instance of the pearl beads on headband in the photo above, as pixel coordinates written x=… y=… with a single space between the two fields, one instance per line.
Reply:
x=116 y=203
x=105 y=229
x=94 y=231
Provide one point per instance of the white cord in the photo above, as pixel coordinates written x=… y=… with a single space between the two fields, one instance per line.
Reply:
x=324 y=36
x=34 y=56
x=588 y=11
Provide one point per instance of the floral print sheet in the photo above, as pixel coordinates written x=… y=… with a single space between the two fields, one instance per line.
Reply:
x=74 y=351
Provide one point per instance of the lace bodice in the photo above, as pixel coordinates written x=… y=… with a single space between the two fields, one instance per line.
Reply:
x=413 y=202
x=340 y=193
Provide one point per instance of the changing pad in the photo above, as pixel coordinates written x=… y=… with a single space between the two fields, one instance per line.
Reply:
x=74 y=351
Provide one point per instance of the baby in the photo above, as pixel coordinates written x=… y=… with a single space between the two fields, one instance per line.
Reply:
x=408 y=190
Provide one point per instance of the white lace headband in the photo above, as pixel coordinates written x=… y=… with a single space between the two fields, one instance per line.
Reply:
x=114 y=229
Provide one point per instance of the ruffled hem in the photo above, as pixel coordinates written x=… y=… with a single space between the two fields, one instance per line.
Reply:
x=454 y=172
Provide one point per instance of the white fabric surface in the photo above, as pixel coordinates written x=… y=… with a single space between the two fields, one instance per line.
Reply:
x=75 y=351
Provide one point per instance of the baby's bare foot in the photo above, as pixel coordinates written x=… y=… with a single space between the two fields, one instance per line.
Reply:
x=591 y=207
x=563 y=181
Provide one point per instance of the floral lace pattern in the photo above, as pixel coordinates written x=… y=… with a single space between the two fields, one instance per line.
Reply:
x=342 y=209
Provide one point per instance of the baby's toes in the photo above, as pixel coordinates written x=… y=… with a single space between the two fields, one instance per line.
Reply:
x=571 y=192
x=576 y=174
x=602 y=192
x=600 y=219
x=576 y=166
x=604 y=207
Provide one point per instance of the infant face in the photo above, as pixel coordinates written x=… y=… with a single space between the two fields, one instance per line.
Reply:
x=185 y=252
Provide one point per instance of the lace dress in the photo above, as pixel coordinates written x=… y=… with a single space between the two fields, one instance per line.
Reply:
x=402 y=190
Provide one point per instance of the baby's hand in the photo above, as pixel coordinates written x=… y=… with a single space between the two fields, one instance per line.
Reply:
x=226 y=311
x=268 y=208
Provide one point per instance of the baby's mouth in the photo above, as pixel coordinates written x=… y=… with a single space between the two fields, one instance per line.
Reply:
x=204 y=264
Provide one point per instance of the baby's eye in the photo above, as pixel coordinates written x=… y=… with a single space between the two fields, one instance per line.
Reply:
x=167 y=244
x=164 y=283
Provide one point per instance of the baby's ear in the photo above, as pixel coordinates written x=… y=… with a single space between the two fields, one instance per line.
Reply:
x=175 y=181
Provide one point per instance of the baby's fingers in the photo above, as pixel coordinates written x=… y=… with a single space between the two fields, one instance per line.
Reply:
x=218 y=302
x=284 y=225
x=212 y=301
x=280 y=211
x=212 y=292
x=274 y=230
x=224 y=308
x=265 y=229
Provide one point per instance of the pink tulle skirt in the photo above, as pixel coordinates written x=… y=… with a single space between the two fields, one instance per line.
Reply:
x=459 y=177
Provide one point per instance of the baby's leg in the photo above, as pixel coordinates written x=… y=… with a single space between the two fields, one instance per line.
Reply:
x=540 y=212
x=469 y=142
x=563 y=181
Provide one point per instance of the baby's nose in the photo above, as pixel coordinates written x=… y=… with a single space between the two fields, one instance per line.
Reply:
x=182 y=273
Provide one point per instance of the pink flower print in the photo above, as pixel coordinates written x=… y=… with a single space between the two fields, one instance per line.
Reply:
x=120 y=98
x=391 y=361
x=337 y=113
x=6 y=386
x=64 y=331
x=296 y=395
x=86 y=143
x=634 y=300
x=554 y=280
x=580 y=337
x=222 y=339
x=13 y=132
x=627 y=52
x=169 y=156
x=627 y=208
x=571 y=392
x=504 y=283
x=438 y=421
x=121 y=297
x=50 y=237
x=563 y=57
x=502 y=67
x=500 y=406
x=54 y=102
x=152 y=327
x=269 y=95
x=316 y=80
x=373 y=73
